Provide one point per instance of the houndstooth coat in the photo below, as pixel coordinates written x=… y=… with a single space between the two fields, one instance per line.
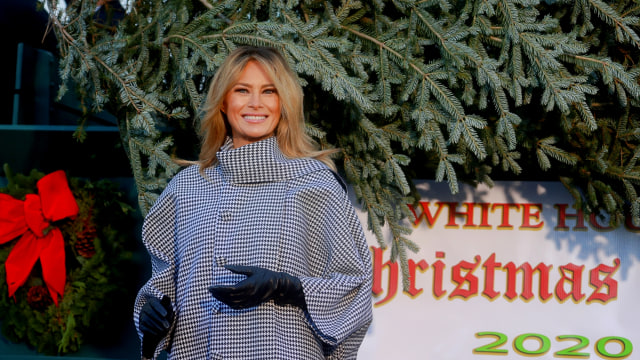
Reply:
x=257 y=207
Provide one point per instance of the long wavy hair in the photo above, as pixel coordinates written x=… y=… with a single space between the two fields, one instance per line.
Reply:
x=292 y=139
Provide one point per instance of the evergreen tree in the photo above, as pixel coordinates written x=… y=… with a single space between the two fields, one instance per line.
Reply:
x=451 y=90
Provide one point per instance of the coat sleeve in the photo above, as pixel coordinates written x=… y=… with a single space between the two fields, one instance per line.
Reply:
x=338 y=290
x=158 y=234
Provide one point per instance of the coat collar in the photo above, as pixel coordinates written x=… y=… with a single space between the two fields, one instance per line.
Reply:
x=261 y=161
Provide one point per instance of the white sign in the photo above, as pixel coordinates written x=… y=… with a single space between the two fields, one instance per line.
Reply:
x=509 y=272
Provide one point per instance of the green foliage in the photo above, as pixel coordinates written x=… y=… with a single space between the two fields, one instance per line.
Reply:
x=92 y=280
x=455 y=90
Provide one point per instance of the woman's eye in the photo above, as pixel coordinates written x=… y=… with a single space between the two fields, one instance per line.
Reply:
x=270 y=91
x=242 y=90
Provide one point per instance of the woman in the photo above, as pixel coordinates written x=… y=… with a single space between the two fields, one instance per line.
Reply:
x=256 y=251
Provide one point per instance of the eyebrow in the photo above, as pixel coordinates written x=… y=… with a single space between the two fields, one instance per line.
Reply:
x=249 y=85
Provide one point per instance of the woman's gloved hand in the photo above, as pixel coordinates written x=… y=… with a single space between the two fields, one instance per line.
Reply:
x=155 y=321
x=260 y=285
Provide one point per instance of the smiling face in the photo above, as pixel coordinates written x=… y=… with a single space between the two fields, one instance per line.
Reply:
x=252 y=106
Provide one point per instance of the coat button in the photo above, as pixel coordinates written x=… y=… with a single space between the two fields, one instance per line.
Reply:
x=221 y=261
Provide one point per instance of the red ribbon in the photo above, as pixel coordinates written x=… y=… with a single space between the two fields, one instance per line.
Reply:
x=31 y=219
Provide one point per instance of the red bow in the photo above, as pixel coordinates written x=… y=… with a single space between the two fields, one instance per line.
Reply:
x=32 y=219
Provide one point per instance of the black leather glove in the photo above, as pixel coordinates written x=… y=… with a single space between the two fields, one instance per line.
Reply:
x=155 y=320
x=260 y=285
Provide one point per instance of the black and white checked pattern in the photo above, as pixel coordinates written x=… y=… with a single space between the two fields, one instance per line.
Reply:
x=259 y=208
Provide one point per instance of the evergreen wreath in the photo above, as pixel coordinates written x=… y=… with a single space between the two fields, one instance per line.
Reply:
x=95 y=252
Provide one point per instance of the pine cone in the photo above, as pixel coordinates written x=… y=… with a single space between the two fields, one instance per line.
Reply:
x=84 y=244
x=38 y=298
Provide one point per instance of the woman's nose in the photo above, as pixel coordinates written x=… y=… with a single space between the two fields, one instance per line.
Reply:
x=254 y=100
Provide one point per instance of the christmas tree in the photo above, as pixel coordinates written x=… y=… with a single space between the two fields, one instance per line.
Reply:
x=451 y=90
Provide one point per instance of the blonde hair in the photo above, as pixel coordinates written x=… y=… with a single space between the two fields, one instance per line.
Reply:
x=293 y=141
